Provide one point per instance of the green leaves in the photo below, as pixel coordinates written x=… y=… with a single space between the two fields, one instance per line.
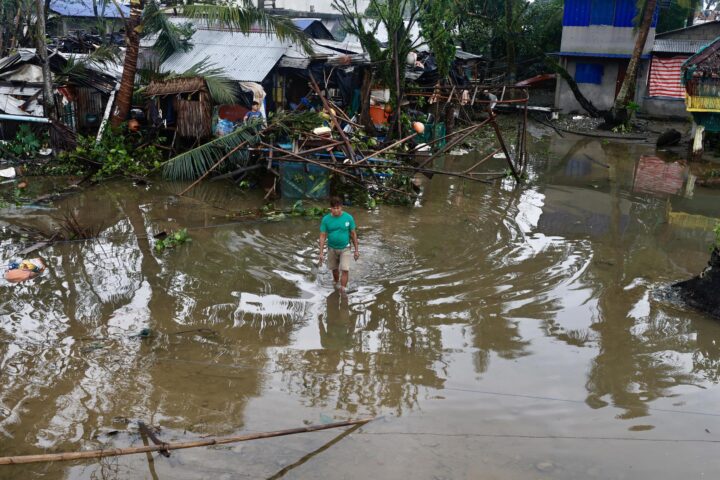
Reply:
x=113 y=155
x=172 y=240
x=243 y=16
x=171 y=37
x=437 y=21
x=26 y=144
x=194 y=163
x=222 y=88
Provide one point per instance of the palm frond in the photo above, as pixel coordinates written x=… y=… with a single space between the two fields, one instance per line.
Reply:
x=105 y=54
x=286 y=123
x=245 y=17
x=222 y=88
x=171 y=37
x=151 y=71
x=194 y=163
x=75 y=67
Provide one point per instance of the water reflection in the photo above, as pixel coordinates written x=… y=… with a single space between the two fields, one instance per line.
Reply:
x=476 y=282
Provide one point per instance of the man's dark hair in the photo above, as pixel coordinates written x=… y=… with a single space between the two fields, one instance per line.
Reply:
x=256 y=103
x=335 y=202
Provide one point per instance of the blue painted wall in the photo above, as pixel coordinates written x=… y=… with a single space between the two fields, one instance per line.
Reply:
x=617 y=13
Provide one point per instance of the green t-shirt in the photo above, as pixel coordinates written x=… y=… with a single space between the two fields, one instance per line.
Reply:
x=338 y=229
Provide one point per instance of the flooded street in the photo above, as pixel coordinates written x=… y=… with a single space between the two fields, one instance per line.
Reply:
x=494 y=331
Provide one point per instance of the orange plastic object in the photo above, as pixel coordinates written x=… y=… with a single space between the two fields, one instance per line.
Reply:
x=378 y=115
x=18 y=275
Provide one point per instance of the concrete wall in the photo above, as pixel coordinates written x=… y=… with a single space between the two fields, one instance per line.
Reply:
x=602 y=39
x=601 y=95
x=596 y=39
x=707 y=31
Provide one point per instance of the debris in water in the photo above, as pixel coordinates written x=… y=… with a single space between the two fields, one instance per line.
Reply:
x=701 y=292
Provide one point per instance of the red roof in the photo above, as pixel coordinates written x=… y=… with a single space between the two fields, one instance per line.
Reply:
x=529 y=82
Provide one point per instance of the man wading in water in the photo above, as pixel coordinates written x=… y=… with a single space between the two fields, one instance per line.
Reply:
x=338 y=227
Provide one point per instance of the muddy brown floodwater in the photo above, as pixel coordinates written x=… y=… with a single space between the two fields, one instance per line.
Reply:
x=495 y=332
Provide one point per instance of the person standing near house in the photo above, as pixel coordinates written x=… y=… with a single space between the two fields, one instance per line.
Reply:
x=337 y=228
x=254 y=114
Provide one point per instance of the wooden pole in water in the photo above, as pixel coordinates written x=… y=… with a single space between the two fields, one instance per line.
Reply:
x=55 y=457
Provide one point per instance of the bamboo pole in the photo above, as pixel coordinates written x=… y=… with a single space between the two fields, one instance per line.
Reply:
x=498 y=133
x=337 y=169
x=383 y=150
x=350 y=152
x=487 y=157
x=114 y=452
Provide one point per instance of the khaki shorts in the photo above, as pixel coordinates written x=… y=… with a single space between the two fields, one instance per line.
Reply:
x=339 y=259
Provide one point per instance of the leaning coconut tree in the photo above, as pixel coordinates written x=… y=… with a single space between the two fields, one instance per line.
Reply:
x=621 y=110
x=147 y=18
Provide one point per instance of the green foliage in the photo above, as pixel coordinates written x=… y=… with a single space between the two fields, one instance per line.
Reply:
x=171 y=37
x=622 y=128
x=675 y=15
x=115 y=154
x=716 y=230
x=222 y=88
x=172 y=240
x=26 y=144
x=398 y=17
x=243 y=16
x=534 y=27
x=194 y=163
x=297 y=210
x=437 y=21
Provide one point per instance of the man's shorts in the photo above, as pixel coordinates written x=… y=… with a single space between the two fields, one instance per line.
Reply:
x=339 y=259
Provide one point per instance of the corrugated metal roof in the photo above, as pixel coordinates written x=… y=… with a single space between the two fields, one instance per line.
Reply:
x=83 y=8
x=303 y=23
x=463 y=55
x=347 y=46
x=669 y=45
x=243 y=57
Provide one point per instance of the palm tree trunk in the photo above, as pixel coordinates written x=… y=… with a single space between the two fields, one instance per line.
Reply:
x=586 y=104
x=48 y=94
x=123 y=100
x=2 y=33
x=16 y=29
x=619 y=113
x=510 y=41
x=365 y=90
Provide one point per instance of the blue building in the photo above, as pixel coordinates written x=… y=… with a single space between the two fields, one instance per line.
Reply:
x=79 y=15
x=597 y=43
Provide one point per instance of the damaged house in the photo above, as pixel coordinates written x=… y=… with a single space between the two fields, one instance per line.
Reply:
x=664 y=95
x=101 y=16
x=80 y=99
x=266 y=70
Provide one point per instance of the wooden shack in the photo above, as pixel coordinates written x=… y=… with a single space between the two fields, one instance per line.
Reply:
x=701 y=78
x=191 y=102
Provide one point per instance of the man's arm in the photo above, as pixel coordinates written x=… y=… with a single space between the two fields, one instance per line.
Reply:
x=353 y=236
x=323 y=236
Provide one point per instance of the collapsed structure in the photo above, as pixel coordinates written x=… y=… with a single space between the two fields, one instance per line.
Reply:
x=334 y=80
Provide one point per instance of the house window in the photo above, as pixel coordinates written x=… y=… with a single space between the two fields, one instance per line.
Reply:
x=589 y=73
x=602 y=12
